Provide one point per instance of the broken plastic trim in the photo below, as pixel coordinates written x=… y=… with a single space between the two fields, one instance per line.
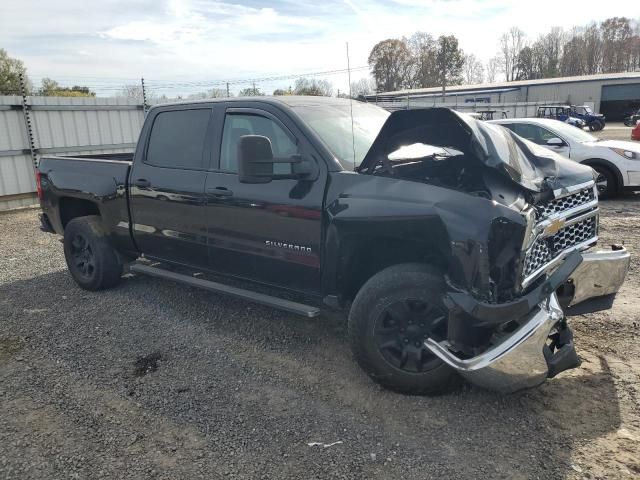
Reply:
x=487 y=314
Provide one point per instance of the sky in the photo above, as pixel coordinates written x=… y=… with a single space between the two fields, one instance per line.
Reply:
x=183 y=46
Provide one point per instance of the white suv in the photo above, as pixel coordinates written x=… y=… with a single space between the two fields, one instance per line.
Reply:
x=616 y=161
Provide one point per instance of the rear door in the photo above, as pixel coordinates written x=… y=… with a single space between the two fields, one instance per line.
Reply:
x=266 y=232
x=167 y=185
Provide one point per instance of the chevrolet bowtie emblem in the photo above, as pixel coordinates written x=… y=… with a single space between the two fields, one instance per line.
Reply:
x=554 y=227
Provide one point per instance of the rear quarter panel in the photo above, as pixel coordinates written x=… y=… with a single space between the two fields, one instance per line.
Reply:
x=102 y=182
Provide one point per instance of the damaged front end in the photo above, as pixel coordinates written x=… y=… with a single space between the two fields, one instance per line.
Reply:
x=525 y=258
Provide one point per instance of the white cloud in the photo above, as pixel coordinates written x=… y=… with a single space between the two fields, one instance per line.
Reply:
x=186 y=40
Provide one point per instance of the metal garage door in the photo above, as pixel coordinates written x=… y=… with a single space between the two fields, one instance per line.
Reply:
x=619 y=100
x=630 y=91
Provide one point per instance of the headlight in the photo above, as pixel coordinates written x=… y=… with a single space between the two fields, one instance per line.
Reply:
x=625 y=153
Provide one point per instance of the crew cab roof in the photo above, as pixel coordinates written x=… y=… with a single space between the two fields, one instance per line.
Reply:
x=288 y=100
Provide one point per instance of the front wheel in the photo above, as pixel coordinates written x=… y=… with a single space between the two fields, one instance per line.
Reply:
x=392 y=315
x=606 y=182
x=92 y=261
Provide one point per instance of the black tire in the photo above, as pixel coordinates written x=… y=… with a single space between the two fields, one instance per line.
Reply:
x=596 y=126
x=92 y=261
x=375 y=322
x=606 y=182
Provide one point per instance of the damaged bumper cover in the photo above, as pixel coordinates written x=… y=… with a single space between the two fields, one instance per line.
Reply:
x=542 y=344
x=600 y=273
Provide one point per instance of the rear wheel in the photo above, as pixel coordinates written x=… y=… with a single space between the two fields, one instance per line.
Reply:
x=390 y=318
x=596 y=126
x=92 y=261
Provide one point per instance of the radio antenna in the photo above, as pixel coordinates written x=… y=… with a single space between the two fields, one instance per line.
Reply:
x=353 y=136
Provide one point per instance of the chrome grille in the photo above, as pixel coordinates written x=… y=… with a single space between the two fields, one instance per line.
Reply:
x=573 y=235
x=570 y=201
x=544 y=250
x=538 y=256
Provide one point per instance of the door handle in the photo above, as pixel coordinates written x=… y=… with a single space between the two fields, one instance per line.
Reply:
x=220 y=192
x=142 y=182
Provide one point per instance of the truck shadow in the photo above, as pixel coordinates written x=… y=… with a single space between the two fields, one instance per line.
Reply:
x=523 y=435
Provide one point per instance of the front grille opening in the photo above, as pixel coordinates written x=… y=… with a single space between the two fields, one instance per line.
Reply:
x=544 y=250
x=568 y=202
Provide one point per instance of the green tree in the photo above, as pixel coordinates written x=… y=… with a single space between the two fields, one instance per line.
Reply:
x=51 y=88
x=390 y=62
x=10 y=70
x=449 y=61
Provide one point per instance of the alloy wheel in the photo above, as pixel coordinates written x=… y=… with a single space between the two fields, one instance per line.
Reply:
x=402 y=328
x=82 y=256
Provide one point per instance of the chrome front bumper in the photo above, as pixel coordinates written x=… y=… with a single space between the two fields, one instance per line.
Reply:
x=523 y=358
x=517 y=362
x=600 y=273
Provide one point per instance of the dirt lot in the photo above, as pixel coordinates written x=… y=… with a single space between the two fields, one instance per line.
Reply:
x=614 y=131
x=154 y=380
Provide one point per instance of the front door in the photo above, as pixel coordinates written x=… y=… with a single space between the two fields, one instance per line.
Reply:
x=267 y=232
x=167 y=186
x=541 y=136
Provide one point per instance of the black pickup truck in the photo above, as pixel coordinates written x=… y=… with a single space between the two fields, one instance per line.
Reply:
x=452 y=244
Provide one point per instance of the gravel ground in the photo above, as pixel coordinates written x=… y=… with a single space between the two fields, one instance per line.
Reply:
x=156 y=380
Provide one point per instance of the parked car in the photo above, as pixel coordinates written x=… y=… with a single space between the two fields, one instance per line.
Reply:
x=635 y=133
x=617 y=162
x=562 y=113
x=452 y=243
x=595 y=121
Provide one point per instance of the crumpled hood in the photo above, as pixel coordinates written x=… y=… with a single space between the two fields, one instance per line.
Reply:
x=531 y=166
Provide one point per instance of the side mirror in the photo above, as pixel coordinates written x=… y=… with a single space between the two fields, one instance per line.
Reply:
x=555 y=142
x=255 y=159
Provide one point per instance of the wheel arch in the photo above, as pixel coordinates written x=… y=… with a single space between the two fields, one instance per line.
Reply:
x=609 y=165
x=367 y=257
x=70 y=208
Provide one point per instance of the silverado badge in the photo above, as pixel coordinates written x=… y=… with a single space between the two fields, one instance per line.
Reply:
x=554 y=227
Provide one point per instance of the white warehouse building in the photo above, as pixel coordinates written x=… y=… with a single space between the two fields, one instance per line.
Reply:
x=612 y=94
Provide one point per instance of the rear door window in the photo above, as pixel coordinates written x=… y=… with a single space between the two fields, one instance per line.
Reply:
x=177 y=139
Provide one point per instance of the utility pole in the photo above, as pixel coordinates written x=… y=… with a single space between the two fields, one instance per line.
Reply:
x=228 y=90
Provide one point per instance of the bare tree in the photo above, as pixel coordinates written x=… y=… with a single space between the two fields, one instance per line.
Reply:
x=213 y=93
x=494 y=68
x=133 y=92
x=511 y=43
x=423 y=49
x=472 y=70
x=314 y=87
x=362 y=87
x=616 y=33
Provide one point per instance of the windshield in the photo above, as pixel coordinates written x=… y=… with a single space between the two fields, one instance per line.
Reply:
x=588 y=109
x=332 y=123
x=573 y=133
